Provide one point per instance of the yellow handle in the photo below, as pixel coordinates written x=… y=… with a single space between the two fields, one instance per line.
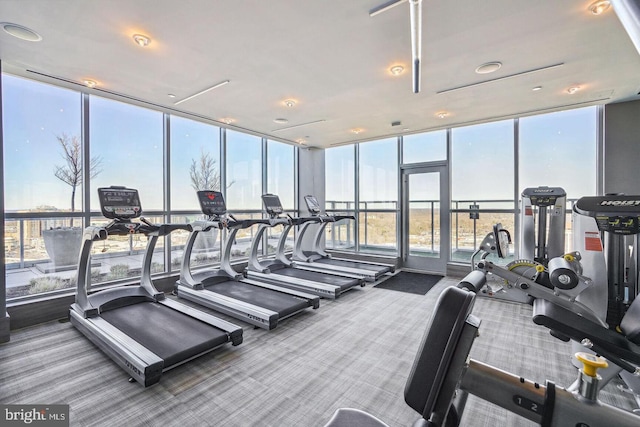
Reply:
x=591 y=363
x=569 y=257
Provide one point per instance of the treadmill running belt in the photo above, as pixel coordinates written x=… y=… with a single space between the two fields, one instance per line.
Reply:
x=327 y=279
x=171 y=335
x=280 y=302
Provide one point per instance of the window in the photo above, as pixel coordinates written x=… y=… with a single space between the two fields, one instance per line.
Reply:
x=424 y=147
x=281 y=173
x=340 y=195
x=43 y=185
x=378 y=195
x=482 y=177
x=339 y=178
x=559 y=150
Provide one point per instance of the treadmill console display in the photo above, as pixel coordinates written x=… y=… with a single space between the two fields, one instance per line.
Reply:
x=615 y=214
x=272 y=204
x=119 y=202
x=312 y=205
x=212 y=203
x=543 y=196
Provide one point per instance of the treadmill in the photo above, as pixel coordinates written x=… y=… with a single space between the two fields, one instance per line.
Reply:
x=319 y=260
x=282 y=272
x=227 y=291
x=141 y=330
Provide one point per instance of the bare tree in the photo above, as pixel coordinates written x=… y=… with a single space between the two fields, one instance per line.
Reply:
x=71 y=172
x=204 y=174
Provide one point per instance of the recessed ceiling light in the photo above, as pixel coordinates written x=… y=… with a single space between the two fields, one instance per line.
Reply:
x=573 y=89
x=357 y=130
x=21 y=32
x=171 y=95
x=281 y=120
x=489 y=67
x=396 y=70
x=227 y=120
x=442 y=114
x=537 y=88
x=599 y=7
x=90 y=83
x=300 y=141
x=141 y=40
x=289 y=103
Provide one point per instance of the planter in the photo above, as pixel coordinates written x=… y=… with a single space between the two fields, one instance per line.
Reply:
x=63 y=246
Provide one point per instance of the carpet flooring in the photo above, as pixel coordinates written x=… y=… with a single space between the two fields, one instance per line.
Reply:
x=355 y=351
x=413 y=283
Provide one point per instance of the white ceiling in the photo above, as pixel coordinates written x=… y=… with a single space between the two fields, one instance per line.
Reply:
x=331 y=57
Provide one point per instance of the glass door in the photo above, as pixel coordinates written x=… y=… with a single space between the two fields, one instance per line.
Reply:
x=425 y=213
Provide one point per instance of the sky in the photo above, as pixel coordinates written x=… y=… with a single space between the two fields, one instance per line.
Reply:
x=556 y=149
x=126 y=141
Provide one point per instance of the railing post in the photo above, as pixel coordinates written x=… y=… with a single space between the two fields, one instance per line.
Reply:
x=21 y=234
x=366 y=223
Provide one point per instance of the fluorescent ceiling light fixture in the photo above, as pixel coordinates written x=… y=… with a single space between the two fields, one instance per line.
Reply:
x=573 y=89
x=21 y=32
x=524 y=73
x=217 y=85
x=141 y=40
x=416 y=41
x=537 y=88
x=300 y=125
x=599 y=7
x=90 y=83
x=384 y=7
x=489 y=67
x=289 y=103
x=396 y=70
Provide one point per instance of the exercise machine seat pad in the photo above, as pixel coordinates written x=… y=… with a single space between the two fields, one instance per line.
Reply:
x=437 y=348
x=349 y=417
x=630 y=324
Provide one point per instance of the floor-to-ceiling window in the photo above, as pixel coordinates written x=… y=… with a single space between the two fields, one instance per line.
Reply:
x=128 y=154
x=378 y=196
x=43 y=184
x=340 y=195
x=195 y=165
x=424 y=147
x=281 y=182
x=50 y=158
x=482 y=180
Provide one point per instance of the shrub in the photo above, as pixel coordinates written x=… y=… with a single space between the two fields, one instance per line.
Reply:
x=118 y=271
x=46 y=284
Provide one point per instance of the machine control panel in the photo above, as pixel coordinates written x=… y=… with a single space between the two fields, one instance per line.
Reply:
x=119 y=202
x=617 y=214
x=544 y=196
x=272 y=204
x=312 y=205
x=212 y=203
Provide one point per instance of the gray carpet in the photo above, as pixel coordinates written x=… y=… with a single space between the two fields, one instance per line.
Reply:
x=353 y=352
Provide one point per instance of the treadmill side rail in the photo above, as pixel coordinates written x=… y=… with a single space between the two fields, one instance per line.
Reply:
x=234 y=331
x=142 y=365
